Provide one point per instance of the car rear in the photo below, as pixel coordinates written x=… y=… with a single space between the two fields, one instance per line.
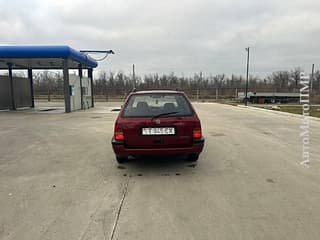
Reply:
x=157 y=123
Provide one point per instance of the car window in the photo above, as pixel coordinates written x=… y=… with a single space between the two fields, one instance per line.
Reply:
x=150 y=105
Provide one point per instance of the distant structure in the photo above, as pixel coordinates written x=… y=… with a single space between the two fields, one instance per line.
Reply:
x=270 y=97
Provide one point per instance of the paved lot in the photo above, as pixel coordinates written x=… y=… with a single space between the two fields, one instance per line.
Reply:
x=59 y=180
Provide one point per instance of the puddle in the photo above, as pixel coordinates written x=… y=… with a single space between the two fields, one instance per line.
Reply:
x=165 y=174
x=48 y=109
x=193 y=165
x=270 y=180
x=214 y=134
x=267 y=133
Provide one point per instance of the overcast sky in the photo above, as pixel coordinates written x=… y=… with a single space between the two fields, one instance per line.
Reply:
x=166 y=36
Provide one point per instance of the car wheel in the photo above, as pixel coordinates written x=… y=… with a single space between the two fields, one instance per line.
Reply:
x=193 y=157
x=121 y=159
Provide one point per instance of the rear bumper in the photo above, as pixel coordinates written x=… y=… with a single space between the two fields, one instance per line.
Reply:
x=120 y=149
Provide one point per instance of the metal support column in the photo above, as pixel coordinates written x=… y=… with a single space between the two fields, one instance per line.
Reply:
x=81 y=89
x=13 y=103
x=90 y=75
x=247 y=79
x=66 y=86
x=31 y=86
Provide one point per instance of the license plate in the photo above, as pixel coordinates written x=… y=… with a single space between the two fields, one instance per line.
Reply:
x=158 y=131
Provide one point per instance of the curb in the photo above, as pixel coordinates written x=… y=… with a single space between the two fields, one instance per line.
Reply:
x=278 y=112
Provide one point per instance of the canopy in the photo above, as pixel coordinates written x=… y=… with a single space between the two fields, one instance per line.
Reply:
x=43 y=57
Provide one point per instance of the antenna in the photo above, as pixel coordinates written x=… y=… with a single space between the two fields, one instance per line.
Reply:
x=106 y=52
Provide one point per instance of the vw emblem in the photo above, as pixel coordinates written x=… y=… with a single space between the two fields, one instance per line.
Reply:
x=157 y=121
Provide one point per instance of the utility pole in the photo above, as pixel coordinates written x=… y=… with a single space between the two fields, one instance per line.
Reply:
x=198 y=87
x=311 y=80
x=247 y=80
x=133 y=77
x=311 y=84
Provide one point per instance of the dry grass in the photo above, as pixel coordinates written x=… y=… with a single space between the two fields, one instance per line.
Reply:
x=314 y=110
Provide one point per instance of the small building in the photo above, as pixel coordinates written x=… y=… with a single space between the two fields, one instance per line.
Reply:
x=18 y=92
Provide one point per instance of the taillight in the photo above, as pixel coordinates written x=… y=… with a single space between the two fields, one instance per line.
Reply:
x=118 y=134
x=197 y=133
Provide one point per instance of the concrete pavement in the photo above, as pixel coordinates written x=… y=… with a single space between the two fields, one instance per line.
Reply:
x=59 y=180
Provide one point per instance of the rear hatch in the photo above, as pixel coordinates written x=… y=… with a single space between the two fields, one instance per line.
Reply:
x=169 y=132
x=158 y=120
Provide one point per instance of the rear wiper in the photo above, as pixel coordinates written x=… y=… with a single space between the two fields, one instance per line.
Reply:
x=163 y=114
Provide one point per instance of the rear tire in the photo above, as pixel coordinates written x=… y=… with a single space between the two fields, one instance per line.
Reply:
x=193 y=157
x=121 y=159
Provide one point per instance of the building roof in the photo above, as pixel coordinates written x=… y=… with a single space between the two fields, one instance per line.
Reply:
x=43 y=57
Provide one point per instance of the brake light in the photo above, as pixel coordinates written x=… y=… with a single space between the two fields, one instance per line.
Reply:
x=118 y=134
x=197 y=133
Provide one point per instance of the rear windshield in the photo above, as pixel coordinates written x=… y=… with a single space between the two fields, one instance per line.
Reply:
x=152 y=105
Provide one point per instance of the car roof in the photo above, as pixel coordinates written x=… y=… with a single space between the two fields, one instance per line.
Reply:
x=156 y=91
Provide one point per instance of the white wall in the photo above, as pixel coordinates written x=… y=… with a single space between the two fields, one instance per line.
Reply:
x=75 y=101
x=87 y=100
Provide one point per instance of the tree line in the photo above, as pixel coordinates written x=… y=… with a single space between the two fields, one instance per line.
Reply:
x=279 y=81
x=112 y=83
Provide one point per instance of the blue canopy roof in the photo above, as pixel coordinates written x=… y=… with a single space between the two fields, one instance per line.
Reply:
x=43 y=57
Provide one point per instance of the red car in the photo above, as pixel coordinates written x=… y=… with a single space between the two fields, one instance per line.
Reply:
x=157 y=123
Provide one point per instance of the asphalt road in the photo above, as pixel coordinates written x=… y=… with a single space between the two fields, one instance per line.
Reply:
x=59 y=180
